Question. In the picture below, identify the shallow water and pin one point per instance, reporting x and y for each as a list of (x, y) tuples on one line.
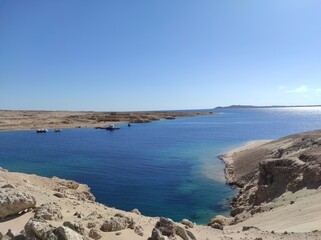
[(165, 168)]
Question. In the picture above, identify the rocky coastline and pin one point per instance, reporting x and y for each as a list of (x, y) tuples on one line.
[(267, 171)]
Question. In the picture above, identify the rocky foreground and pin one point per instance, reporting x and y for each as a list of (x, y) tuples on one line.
[(280, 198), (24, 120)]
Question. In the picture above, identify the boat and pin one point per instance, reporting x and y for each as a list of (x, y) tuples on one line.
[(42, 130), (111, 127), (129, 124), (57, 130)]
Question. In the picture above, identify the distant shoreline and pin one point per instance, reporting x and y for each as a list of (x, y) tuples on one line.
[(271, 106), (11, 120)]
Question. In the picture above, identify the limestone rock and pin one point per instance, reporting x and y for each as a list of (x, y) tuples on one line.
[(65, 233), (136, 211), (39, 229), (91, 225), (157, 235), (94, 234), (220, 219), (217, 226), (188, 223), (77, 227), (12, 202), (165, 227), (78, 215), (48, 211), (116, 224), (139, 230)]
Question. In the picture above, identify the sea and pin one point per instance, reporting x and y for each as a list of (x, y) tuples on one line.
[(164, 168)]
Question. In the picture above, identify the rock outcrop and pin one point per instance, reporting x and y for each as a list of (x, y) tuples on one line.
[(266, 172), (117, 223), (12, 202), (166, 229), (49, 211), (65, 233), (39, 229)]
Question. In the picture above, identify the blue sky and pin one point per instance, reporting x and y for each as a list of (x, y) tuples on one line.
[(153, 55)]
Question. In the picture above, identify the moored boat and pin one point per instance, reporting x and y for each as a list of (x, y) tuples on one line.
[(42, 130), (112, 127)]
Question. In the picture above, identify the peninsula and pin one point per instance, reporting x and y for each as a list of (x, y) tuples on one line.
[(270, 106)]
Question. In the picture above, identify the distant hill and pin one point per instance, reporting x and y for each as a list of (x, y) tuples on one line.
[(272, 106)]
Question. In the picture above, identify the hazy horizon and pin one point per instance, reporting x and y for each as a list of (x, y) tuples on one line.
[(158, 55)]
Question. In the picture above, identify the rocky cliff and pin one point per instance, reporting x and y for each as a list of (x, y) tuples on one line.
[(266, 172)]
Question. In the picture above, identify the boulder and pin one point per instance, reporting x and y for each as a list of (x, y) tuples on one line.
[(187, 223), (139, 230), (116, 224), (12, 202), (39, 229), (136, 211), (217, 226), (65, 233), (157, 235), (94, 234), (77, 227), (165, 227), (219, 219), (49, 211), (91, 225)]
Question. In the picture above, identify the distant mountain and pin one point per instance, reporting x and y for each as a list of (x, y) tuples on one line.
[(273, 106)]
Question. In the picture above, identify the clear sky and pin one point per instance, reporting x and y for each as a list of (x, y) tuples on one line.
[(158, 54)]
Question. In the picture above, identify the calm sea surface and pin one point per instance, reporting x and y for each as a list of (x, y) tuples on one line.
[(165, 168)]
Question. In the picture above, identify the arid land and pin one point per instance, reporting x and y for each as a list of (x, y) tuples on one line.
[(25, 120)]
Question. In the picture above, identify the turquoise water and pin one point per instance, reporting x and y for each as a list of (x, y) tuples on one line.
[(165, 168)]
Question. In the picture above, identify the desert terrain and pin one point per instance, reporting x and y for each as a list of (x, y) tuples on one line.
[(25, 120)]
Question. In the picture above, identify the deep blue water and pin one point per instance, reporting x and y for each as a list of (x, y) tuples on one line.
[(165, 168)]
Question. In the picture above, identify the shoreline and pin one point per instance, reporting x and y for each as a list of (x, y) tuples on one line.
[(15, 120), (278, 182), (228, 160)]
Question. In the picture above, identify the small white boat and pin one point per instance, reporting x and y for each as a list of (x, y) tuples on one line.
[(42, 130), (111, 127), (57, 130)]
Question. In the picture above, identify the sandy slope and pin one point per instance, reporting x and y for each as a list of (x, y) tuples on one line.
[(43, 188)]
